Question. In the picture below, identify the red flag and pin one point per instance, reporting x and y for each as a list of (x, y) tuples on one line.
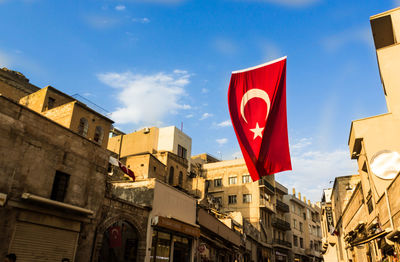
[(257, 105), (115, 236), (126, 170)]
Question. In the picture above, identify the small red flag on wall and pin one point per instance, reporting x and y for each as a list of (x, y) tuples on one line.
[(115, 236), (257, 106)]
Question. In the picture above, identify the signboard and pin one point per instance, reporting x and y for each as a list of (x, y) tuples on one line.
[(329, 219), (176, 226)]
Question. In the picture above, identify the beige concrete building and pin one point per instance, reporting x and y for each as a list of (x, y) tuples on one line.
[(261, 203), (367, 223), (305, 235)]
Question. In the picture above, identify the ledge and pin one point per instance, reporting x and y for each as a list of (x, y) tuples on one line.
[(54, 203)]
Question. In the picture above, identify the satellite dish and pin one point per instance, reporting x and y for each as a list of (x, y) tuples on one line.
[(385, 164)]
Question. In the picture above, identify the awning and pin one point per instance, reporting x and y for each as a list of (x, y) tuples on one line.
[(372, 237), (394, 236)]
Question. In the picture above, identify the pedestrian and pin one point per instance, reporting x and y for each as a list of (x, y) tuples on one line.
[(65, 259), (10, 258)]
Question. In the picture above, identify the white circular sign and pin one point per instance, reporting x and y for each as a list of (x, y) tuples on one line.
[(385, 164)]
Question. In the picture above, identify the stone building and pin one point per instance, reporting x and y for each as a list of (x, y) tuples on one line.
[(230, 184), (367, 226), (55, 199), (305, 235)]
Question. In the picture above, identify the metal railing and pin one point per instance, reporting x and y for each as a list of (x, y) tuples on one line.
[(282, 243), (280, 223), (282, 206), (263, 182)]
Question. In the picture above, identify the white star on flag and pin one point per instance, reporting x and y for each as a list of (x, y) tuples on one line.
[(257, 131)]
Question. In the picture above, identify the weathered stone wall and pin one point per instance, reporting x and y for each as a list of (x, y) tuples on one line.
[(32, 149), (61, 114), (15, 85)]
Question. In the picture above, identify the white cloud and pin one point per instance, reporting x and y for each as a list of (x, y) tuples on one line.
[(339, 40), (204, 90), (146, 99), (288, 3), (313, 168), (270, 50), (101, 21), (205, 116), (225, 46), (224, 123), (120, 7), (5, 60), (143, 20), (237, 154), (160, 1), (189, 116), (222, 141)]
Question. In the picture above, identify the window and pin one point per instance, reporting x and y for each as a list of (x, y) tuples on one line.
[(232, 199), (295, 241), (60, 185), (182, 151), (50, 103), (98, 134), (370, 206), (232, 180), (301, 226), (246, 198), (218, 200), (83, 127), (308, 213), (180, 179), (246, 179), (207, 186), (218, 182), (171, 176), (293, 208), (311, 245), (294, 223), (301, 243)]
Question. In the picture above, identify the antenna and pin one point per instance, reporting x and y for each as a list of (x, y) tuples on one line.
[(181, 126)]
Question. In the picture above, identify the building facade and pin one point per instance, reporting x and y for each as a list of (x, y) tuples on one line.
[(367, 223)]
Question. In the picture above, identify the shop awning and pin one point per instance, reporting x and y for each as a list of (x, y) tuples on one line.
[(372, 237), (394, 236)]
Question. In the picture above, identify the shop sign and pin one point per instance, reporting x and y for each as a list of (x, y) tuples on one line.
[(176, 226), (329, 218)]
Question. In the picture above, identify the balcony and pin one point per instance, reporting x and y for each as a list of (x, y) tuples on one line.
[(282, 243), (282, 206), (266, 204), (267, 185), (280, 224)]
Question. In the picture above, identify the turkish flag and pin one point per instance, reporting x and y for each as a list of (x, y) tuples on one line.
[(115, 236), (257, 105)]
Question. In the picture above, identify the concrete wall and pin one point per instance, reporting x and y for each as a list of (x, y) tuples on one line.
[(135, 143)]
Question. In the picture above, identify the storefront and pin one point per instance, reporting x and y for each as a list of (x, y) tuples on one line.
[(172, 240)]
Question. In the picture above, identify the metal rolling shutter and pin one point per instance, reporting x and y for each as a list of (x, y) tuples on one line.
[(36, 243)]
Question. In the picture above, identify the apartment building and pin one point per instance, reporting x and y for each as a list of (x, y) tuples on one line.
[(305, 235), (367, 224)]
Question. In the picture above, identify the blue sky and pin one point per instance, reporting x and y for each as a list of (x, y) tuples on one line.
[(167, 62)]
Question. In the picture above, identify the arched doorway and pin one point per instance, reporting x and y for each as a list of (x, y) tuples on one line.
[(120, 243)]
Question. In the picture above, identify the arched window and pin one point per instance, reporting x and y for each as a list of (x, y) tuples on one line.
[(180, 179), (83, 127), (98, 134), (171, 176)]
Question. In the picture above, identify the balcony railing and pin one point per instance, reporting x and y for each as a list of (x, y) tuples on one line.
[(282, 206), (263, 182), (282, 243), (280, 223), (266, 204)]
